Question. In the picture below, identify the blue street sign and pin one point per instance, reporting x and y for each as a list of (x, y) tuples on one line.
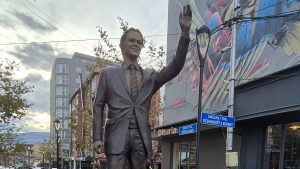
[(188, 129), (217, 120)]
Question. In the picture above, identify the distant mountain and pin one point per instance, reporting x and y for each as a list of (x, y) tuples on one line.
[(33, 137)]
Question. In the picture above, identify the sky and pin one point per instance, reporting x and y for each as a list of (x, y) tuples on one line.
[(24, 24)]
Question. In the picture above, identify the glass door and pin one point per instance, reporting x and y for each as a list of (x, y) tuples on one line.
[(184, 155)]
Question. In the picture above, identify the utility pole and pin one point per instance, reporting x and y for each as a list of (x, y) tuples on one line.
[(82, 154), (229, 138)]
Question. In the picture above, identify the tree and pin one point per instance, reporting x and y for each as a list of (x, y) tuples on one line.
[(81, 129), (13, 101), (9, 145), (48, 148)]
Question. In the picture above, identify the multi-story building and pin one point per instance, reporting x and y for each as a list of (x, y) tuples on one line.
[(266, 99), (65, 80)]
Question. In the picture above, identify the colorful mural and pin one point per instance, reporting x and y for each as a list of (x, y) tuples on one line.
[(263, 47)]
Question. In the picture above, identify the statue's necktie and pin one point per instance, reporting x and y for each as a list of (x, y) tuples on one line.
[(133, 82)]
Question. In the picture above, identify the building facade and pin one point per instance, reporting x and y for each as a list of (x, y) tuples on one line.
[(266, 107), (65, 80)]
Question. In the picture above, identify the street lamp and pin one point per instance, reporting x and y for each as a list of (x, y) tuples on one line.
[(29, 149), (43, 158), (203, 39), (57, 126)]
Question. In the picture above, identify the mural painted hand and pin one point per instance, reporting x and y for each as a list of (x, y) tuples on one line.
[(185, 20)]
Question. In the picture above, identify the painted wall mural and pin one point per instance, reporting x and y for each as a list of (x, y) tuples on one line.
[(263, 47)]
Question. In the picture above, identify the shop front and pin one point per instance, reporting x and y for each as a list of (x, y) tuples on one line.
[(179, 147), (268, 111), (266, 134)]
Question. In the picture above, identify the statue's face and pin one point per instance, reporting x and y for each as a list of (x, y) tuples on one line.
[(132, 45)]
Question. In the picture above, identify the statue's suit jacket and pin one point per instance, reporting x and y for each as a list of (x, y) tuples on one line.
[(113, 91)]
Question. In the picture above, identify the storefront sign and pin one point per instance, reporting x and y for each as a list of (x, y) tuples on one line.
[(188, 129), (167, 132), (217, 120)]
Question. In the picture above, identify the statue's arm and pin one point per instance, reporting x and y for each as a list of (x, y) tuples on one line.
[(98, 108), (175, 66)]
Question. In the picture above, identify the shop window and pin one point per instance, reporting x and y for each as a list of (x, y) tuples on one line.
[(272, 148), (184, 155), (282, 148), (292, 146)]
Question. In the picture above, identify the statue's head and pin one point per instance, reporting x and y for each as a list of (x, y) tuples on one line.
[(131, 43)]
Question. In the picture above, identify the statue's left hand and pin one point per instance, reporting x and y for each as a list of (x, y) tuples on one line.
[(185, 19)]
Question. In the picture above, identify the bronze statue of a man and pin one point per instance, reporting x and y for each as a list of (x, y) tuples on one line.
[(127, 89)]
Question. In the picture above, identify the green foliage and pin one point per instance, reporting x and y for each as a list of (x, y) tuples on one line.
[(9, 145), (7, 137), (48, 148), (81, 128), (13, 103)]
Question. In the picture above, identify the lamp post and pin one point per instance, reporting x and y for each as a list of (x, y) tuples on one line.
[(29, 148), (203, 39), (57, 126), (43, 159)]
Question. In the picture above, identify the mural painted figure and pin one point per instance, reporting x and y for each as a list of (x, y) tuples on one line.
[(127, 89)]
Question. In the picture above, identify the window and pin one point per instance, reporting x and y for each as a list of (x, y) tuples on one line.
[(62, 79), (78, 70), (272, 148), (61, 68), (61, 102), (66, 135), (58, 113), (62, 91), (184, 155), (282, 148), (66, 124), (62, 113), (292, 146)]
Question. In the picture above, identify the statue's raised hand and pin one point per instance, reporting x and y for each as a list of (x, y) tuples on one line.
[(185, 20)]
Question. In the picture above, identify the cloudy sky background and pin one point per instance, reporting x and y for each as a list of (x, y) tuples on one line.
[(26, 21)]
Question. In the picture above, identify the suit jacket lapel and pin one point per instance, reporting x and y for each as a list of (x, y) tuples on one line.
[(123, 79)]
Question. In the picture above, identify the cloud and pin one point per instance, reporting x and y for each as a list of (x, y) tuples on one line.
[(38, 117), (34, 121), (37, 56), (40, 95), (33, 24), (5, 22), (37, 121)]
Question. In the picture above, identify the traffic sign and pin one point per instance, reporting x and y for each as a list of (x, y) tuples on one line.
[(188, 129), (217, 120)]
